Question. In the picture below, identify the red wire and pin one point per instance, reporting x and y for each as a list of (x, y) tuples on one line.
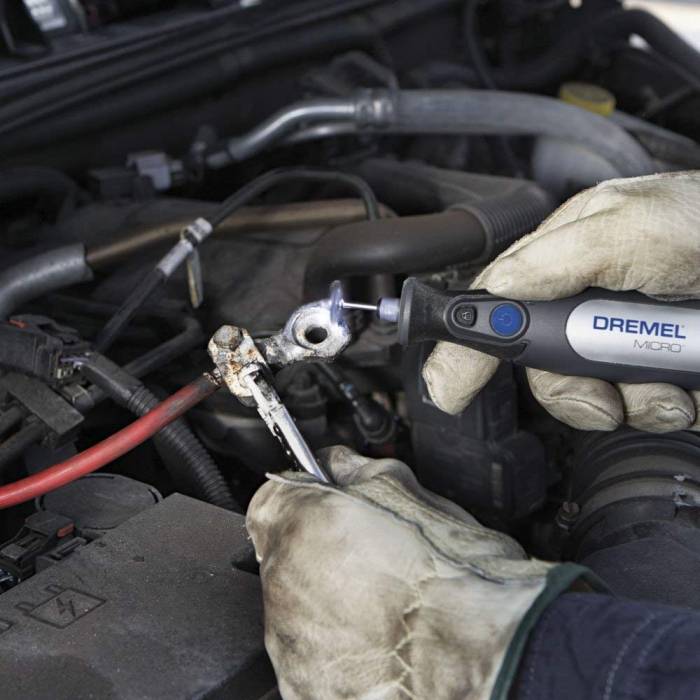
[(112, 447)]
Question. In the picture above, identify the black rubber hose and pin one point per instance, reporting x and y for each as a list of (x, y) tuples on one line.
[(659, 36), (29, 434), (563, 58), (395, 245), (52, 186), (41, 274), (481, 216), (189, 338), (188, 462), (507, 208), (129, 308)]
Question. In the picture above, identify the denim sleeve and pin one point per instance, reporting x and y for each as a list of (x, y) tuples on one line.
[(587, 646)]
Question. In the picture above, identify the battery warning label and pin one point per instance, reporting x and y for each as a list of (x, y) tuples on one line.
[(62, 609)]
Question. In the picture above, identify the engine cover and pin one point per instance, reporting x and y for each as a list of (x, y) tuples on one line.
[(153, 609)]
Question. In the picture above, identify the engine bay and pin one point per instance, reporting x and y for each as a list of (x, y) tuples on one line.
[(172, 168)]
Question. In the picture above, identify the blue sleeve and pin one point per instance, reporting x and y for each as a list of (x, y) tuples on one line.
[(589, 645)]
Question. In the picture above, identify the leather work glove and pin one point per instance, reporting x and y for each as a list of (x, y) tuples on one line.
[(375, 588), (636, 234)]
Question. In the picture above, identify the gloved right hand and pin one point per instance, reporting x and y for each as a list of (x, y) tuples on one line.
[(637, 234)]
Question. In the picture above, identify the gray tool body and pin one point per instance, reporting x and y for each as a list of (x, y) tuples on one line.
[(616, 336)]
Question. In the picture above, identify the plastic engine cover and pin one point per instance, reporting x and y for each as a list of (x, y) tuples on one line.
[(154, 609)]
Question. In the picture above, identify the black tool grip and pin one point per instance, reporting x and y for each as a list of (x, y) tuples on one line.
[(616, 336)]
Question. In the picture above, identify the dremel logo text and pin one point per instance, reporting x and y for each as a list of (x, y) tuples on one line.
[(634, 326)]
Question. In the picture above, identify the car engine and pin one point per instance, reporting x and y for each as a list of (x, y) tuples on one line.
[(358, 141)]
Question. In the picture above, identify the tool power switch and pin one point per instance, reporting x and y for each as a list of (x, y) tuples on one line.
[(507, 320)]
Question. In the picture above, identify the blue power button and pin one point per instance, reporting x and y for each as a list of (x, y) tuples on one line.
[(507, 319)]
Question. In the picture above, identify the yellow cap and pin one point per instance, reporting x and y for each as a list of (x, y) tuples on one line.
[(588, 96)]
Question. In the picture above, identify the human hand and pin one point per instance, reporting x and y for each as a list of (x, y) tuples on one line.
[(636, 234), (376, 588)]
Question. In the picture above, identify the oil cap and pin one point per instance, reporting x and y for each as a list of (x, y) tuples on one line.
[(588, 96)]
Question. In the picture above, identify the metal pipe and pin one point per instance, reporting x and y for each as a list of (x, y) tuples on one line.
[(280, 217), (361, 108), (281, 124)]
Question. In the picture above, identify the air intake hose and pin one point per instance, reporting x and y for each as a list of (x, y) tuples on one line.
[(478, 217)]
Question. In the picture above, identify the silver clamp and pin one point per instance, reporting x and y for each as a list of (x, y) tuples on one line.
[(186, 249)]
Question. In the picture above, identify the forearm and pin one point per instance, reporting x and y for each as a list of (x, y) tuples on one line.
[(595, 646)]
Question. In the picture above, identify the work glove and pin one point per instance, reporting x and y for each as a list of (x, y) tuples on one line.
[(375, 588), (636, 234)]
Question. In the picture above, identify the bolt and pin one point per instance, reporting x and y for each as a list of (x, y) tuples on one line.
[(228, 337)]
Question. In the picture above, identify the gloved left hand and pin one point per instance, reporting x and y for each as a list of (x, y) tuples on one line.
[(376, 588)]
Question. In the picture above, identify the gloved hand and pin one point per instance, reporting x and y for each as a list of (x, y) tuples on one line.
[(637, 234), (376, 588)]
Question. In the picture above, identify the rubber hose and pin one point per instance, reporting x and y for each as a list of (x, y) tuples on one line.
[(40, 275), (507, 207), (397, 246), (493, 112), (195, 74), (662, 144), (187, 459), (53, 185), (659, 36), (482, 215), (129, 308)]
